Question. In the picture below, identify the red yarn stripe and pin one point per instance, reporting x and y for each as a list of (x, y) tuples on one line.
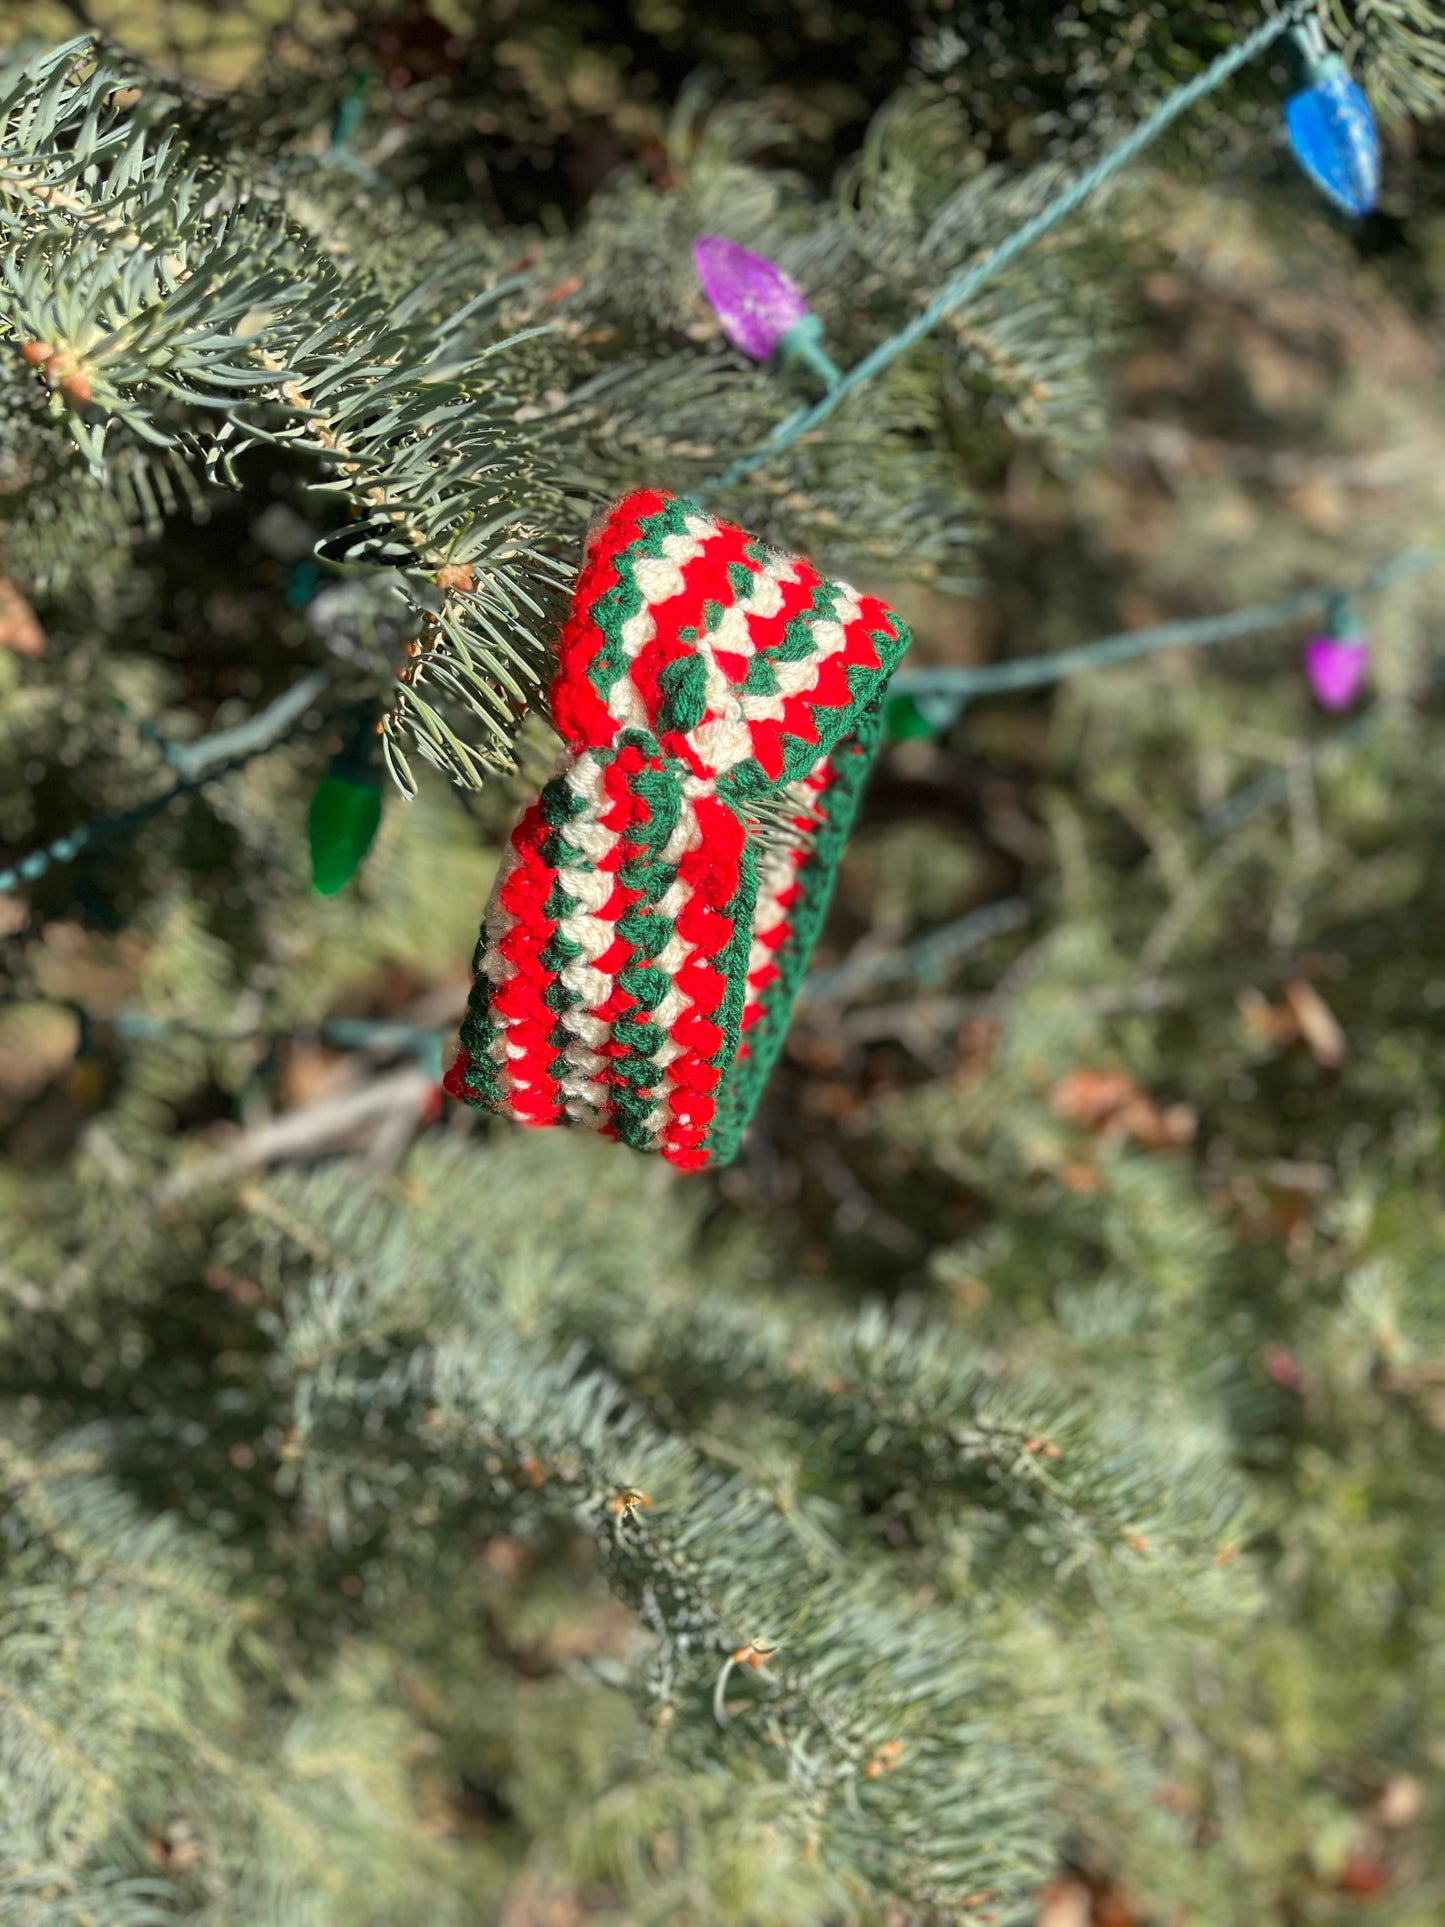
[(767, 632), (705, 579), (578, 712), (455, 1081), (710, 876), (520, 1000)]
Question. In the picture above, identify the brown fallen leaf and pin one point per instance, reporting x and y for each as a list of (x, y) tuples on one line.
[(1267, 1023), (20, 628), (1282, 1202), (1114, 1909), (1302, 1018), (1079, 1900), (1113, 1106), (37, 1042), (1066, 1902), (1400, 1801), (1091, 1098), (1319, 1028)]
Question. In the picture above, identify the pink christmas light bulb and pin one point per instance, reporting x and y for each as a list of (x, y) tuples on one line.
[(1335, 668), (762, 310)]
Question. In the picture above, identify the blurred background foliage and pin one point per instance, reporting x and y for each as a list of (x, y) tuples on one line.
[(1058, 1382)]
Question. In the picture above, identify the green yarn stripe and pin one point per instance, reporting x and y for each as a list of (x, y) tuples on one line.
[(742, 1086), (616, 606), (479, 1033), (649, 932)]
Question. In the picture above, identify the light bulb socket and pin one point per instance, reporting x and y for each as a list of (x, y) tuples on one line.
[(357, 758), (940, 708), (1311, 58), (350, 768), (923, 712), (1342, 619), (802, 346)]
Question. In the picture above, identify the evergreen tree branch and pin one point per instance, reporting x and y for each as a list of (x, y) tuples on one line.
[(180, 287)]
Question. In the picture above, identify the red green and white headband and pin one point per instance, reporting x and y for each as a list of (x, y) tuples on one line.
[(646, 936)]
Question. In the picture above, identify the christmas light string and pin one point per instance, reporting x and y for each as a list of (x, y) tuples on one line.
[(923, 961), (261, 731), (255, 738), (1032, 672), (207, 761), (964, 286), (221, 755)]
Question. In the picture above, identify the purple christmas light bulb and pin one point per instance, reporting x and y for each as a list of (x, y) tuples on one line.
[(1335, 667), (755, 301), (762, 310)]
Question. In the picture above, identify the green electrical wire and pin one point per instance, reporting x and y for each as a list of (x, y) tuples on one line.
[(1030, 672), (267, 730), (967, 284)]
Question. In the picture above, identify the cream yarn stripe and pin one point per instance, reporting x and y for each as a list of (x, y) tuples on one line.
[(724, 740), (499, 970), (796, 679), (584, 1098)]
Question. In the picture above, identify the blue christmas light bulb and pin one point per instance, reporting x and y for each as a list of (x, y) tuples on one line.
[(1332, 126)]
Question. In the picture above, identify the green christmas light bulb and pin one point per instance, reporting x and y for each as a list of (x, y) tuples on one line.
[(345, 813), (921, 713)]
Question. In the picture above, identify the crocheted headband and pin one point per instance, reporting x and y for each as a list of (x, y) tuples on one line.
[(643, 944)]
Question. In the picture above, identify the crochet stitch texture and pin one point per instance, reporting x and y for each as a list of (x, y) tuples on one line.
[(641, 950)]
